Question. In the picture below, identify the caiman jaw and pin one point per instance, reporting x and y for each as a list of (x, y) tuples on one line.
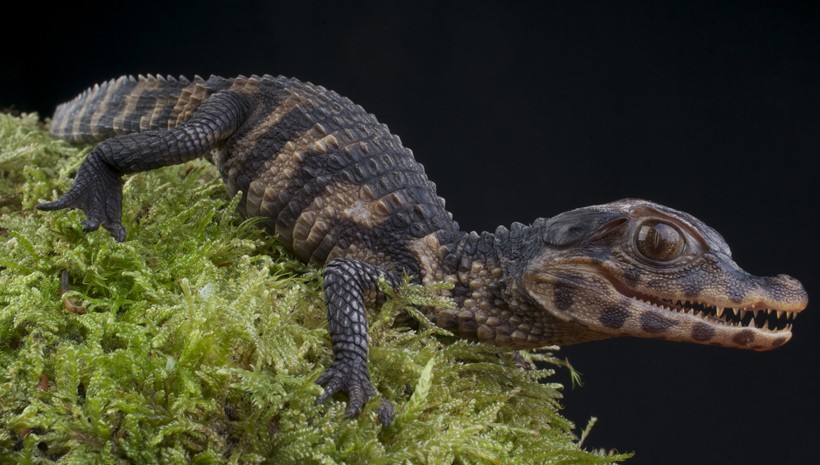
[(755, 316), (758, 324), (745, 317)]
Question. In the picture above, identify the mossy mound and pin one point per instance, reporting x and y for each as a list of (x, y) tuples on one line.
[(199, 338)]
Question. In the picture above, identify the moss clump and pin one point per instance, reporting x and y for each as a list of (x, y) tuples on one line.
[(198, 341)]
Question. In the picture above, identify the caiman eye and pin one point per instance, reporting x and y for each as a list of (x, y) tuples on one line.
[(660, 242)]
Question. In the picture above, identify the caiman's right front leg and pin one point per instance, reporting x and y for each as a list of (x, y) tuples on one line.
[(346, 284), (97, 188)]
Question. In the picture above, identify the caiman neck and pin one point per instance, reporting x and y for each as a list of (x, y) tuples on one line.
[(491, 304)]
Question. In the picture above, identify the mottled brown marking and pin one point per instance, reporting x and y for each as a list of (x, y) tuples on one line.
[(744, 338), (144, 123), (102, 108), (702, 332), (130, 104), (651, 322), (264, 127), (613, 317), (340, 201), (154, 119), (562, 296), (189, 100), (277, 173), (779, 341), (244, 85), (427, 252), (122, 106)]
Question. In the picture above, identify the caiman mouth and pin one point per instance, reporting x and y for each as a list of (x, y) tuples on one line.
[(754, 316), (750, 316)]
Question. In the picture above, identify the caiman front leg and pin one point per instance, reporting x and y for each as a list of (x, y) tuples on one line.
[(97, 188), (347, 284)]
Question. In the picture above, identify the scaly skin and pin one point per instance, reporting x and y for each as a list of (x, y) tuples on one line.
[(342, 192)]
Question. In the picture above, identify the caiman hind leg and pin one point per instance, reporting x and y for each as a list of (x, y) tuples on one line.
[(97, 188), (347, 283)]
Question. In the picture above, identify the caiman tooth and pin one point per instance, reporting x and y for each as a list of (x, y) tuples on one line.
[(719, 311), (735, 311), (779, 314)]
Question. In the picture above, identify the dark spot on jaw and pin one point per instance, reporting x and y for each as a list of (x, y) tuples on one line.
[(651, 322), (744, 338), (562, 296), (613, 317), (702, 332), (779, 342)]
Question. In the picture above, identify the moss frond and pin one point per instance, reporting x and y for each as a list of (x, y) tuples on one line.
[(199, 338)]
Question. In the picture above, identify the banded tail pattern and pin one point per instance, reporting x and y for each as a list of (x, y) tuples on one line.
[(325, 173), (129, 105)]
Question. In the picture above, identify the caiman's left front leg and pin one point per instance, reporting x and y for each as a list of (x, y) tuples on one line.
[(347, 284)]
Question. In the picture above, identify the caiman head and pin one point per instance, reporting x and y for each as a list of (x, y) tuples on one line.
[(637, 268)]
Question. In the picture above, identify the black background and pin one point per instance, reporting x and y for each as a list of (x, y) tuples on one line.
[(520, 111)]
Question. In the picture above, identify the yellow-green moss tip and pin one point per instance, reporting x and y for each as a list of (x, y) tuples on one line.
[(198, 341)]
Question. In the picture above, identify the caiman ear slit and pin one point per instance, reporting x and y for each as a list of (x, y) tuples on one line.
[(569, 228), (613, 225)]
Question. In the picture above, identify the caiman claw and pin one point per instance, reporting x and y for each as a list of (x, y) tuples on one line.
[(346, 377), (97, 191)]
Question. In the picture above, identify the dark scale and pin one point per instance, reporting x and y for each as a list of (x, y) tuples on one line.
[(342, 192)]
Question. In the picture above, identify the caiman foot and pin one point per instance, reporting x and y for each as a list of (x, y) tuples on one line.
[(353, 378), (97, 191)]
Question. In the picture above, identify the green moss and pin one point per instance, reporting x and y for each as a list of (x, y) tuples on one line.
[(199, 338)]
